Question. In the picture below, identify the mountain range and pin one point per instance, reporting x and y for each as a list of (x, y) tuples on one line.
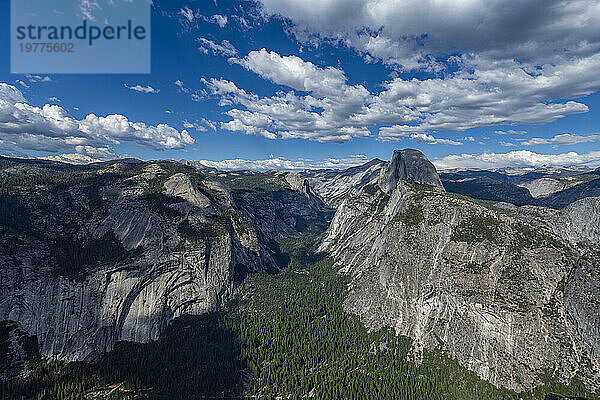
[(497, 271)]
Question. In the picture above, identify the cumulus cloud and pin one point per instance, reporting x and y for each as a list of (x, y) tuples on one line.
[(324, 114), (142, 89), (322, 106), (518, 158), (414, 33), (224, 49), (413, 132), (280, 163), (296, 73), (525, 64), (84, 155), (51, 129)]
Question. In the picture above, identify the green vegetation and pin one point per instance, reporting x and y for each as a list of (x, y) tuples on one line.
[(160, 204), (475, 268), (371, 189), (10, 337), (529, 237), (256, 181), (412, 216), (285, 335), (199, 231), (74, 258), (478, 228)]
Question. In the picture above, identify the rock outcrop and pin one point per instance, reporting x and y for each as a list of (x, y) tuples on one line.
[(333, 185), (474, 281), (183, 248), (582, 302), (277, 203), (408, 165), (579, 222)]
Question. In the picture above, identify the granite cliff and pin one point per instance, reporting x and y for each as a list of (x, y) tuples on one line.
[(92, 256), (505, 297)]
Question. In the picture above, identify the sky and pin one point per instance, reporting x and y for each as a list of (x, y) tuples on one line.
[(294, 84)]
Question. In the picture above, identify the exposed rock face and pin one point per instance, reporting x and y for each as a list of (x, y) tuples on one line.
[(547, 186), (582, 302), (543, 186), (333, 186), (186, 250), (135, 302), (179, 185), (579, 222), (474, 281), (572, 194), (409, 165), (485, 188), (277, 203)]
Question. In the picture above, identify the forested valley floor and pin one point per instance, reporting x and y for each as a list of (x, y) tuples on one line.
[(286, 336)]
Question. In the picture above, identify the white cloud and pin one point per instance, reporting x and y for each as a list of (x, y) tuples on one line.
[(518, 158), (327, 113), (525, 63), (224, 49), (142, 89), (51, 129), (397, 132), (323, 107), (115, 128), (280, 163), (410, 33), (220, 20), (187, 13), (200, 125), (84, 155), (87, 7), (54, 99), (563, 139), (196, 95), (296, 73)]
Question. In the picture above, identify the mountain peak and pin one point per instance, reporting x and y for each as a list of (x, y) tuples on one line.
[(410, 165)]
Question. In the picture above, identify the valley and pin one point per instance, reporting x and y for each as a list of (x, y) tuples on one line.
[(173, 280)]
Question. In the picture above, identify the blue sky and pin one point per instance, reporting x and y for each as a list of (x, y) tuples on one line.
[(328, 83)]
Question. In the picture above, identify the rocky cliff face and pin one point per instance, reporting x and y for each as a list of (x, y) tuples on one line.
[(93, 255), (333, 186), (277, 203), (501, 296), (582, 302), (579, 222), (116, 252), (408, 165), (547, 186)]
